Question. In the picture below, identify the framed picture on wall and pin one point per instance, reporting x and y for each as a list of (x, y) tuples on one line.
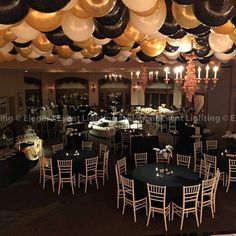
[(20, 101), (3, 106)]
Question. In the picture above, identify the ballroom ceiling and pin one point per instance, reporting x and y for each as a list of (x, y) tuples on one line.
[(73, 34)]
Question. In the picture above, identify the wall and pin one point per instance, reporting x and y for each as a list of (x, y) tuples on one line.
[(11, 84)]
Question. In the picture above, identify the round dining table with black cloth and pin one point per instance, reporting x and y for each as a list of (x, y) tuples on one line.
[(174, 179), (78, 160)]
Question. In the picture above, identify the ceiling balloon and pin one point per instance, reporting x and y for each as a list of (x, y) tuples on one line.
[(44, 22), (153, 47), (70, 5), (179, 35), (123, 41), (225, 57), (170, 48), (200, 29), (170, 26), (25, 31), (111, 49), (97, 8), (184, 2), (140, 5), (143, 57), (114, 31), (101, 41), (213, 13), (184, 15), (42, 43), (219, 42), (152, 23), (74, 47), (64, 51), (77, 29), (113, 16), (134, 34), (22, 45), (226, 28), (13, 11), (99, 57), (202, 41), (9, 35), (202, 52), (47, 6), (58, 37), (79, 12)]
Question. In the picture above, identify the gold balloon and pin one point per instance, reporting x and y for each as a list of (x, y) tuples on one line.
[(94, 48), (134, 34), (50, 58), (24, 52), (97, 8), (9, 35), (44, 21), (85, 43), (85, 52), (153, 47), (64, 51), (6, 57), (233, 36), (226, 28), (151, 10), (184, 15), (79, 12), (3, 42), (123, 41), (42, 43)]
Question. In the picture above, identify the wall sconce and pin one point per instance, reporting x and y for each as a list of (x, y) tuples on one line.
[(51, 88), (93, 88)]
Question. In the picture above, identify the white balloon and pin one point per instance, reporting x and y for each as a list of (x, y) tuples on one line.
[(7, 48), (3, 27), (20, 58), (43, 53), (121, 58), (77, 29), (126, 53), (185, 46), (25, 31), (156, 35), (220, 42), (77, 56), (20, 40), (139, 5), (70, 5), (85, 60), (66, 62), (111, 59), (225, 57), (33, 55), (101, 41), (210, 53), (172, 55), (149, 24)]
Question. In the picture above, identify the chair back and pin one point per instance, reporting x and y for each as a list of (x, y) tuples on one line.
[(172, 124), (212, 160), (208, 188), (125, 138), (87, 145), (118, 180), (65, 168), (140, 159), (183, 160), (162, 158), (156, 195), (121, 166), (211, 145), (91, 165), (47, 166), (57, 147), (102, 149), (232, 167), (128, 187), (205, 169), (106, 159), (190, 196), (197, 149)]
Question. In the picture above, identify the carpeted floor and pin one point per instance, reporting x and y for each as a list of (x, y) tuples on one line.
[(28, 210)]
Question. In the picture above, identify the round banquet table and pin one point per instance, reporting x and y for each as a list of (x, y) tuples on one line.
[(78, 160), (175, 178)]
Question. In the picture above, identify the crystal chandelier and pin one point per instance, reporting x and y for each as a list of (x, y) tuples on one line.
[(192, 82)]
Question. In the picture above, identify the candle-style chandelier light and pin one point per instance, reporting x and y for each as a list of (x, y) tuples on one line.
[(191, 82), (113, 77)]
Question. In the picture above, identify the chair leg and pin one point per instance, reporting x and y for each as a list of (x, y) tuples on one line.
[(212, 210), (172, 212), (228, 184), (165, 221), (118, 199), (44, 180), (59, 188), (196, 216), (148, 219), (79, 181), (182, 221), (201, 210), (134, 211), (53, 187), (123, 210), (86, 183), (97, 182), (72, 187)]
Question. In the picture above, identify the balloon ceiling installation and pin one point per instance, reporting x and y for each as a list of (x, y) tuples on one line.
[(163, 31)]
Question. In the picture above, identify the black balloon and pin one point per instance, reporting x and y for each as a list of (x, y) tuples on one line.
[(111, 49), (184, 2), (202, 41), (233, 20), (170, 48), (98, 35), (40, 58), (54, 52), (22, 45), (99, 57), (202, 52), (179, 35), (231, 49), (13, 11), (143, 57), (13, 51), (181, 59), (113, 31), (113, 16), (200, 29), (47, 6), (213, 13), (74, 47), (127, 60), (205, 60), (136, 45), (170, 26), (58, 37)]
